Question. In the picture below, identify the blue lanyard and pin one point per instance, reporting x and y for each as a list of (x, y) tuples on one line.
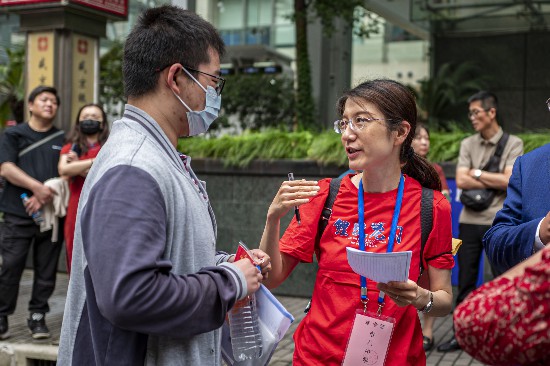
[(391, 239)]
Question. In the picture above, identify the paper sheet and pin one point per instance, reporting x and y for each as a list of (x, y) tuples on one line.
[(380, 267)]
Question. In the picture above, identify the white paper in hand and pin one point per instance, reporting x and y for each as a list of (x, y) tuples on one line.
[(380, 267)]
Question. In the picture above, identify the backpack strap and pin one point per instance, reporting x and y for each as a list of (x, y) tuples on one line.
[(333, 189), (426, 221)]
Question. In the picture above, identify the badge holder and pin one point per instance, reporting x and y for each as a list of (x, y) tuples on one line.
[(370, 338)]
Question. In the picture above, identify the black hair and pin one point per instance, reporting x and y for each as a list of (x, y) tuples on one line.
[(161, 37), (421, 126), (79, 138), (397, 104), (43, 89), (488, 99)]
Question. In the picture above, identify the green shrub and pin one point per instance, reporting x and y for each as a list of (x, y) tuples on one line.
[(240, 150), (323, 148)]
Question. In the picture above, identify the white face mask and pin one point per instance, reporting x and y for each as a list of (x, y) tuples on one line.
[(200, 121)]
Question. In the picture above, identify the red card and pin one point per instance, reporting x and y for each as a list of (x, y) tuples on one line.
[(243, 252)]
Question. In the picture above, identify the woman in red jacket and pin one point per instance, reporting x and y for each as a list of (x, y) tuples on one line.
[(77, 157), (354, 320)]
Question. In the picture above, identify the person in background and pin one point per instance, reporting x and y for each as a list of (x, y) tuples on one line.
[(507, 321), (89, 133), (377, 124), (475, 152), (421, 146), (29, 153), (147, 285)]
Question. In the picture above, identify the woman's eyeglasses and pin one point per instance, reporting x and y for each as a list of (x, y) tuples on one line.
[(356, 124)]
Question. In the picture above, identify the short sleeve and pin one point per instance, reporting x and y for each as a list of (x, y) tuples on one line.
[(516, 149), (464, 159), (299, 240), (437, 252), (8, 147), (66, 149)]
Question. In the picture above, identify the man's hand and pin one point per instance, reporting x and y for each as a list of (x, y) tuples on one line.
[(32, 205), (251, 273), (43, 194), (544, 232)]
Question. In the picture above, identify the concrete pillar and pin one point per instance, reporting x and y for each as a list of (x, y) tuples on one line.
[(330, 60), (63, 51)]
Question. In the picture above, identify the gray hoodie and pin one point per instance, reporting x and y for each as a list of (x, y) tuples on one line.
[(147, 286)]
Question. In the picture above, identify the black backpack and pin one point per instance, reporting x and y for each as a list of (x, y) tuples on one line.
[(426, 219)]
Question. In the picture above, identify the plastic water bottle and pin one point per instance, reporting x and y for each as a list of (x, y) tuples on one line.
[(36, 216), (246, 339)]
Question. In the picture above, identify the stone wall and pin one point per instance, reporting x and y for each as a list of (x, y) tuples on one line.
[(241, 197)]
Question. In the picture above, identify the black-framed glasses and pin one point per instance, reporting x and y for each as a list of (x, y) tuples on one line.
[(356, 124), (220, 82), (475, 112)]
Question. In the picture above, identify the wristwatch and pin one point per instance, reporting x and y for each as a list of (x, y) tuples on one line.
[(477, 173), (429, 305)]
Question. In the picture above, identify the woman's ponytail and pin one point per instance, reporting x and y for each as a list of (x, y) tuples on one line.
[(421, 169)]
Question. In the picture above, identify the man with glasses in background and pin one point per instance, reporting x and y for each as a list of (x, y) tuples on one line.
[(147, 286), (475, 153)]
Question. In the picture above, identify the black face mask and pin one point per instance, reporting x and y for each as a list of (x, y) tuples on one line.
[(90, 126)]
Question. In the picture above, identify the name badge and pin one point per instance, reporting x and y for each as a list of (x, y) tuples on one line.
[(369, 339)]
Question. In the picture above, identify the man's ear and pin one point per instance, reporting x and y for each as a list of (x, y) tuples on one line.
[(493, 113), (171, 77)]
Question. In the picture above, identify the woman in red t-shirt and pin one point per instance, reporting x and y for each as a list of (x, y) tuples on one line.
[(421, 146), (377, 124), (77, 156)]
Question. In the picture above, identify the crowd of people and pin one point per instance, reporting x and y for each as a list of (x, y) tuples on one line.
[(147, 285)]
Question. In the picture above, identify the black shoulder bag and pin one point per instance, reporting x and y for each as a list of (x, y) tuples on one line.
[(481, 199)]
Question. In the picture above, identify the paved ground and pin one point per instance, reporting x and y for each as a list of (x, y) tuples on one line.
[(282, 356)]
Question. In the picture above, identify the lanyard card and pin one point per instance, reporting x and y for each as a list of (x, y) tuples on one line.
[(369, 339)]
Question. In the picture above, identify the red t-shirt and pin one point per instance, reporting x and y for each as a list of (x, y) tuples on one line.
[(322, 336), (75, 188)]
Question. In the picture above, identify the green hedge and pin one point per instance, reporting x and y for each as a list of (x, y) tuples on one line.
[(324, 148)]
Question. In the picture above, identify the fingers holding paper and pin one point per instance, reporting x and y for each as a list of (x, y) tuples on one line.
[(291, 194), (263, 260), (402, 293)]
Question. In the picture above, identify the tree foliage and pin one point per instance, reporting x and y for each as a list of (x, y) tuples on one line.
[(442, 94), (258, 101), (111, 87), (12, 86)]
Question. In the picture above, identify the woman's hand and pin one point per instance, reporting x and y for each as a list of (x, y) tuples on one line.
[(71, 156), (290, 194), (405, 293), (263, 260)]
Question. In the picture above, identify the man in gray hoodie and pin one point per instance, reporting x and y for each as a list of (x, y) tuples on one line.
[(147, 286)]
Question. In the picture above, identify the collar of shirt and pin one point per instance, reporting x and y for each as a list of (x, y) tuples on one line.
[(493, 140)]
